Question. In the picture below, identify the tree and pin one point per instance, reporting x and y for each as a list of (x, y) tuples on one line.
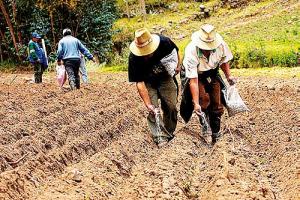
[(9, 24), (143, 8)]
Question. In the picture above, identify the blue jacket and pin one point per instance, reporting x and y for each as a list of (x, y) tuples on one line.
[(36, 53), (70, 47)]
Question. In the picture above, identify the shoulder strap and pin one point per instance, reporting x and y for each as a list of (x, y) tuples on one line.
[(199, 52)]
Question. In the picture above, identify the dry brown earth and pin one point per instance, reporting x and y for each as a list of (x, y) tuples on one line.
[(100, 133)]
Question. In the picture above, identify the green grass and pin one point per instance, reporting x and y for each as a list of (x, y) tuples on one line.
[(119, 68), (263, 34)]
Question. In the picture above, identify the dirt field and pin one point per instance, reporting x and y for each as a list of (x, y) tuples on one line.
[(94, 144)]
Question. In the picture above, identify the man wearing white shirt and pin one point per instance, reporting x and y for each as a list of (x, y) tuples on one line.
[(204, 55)]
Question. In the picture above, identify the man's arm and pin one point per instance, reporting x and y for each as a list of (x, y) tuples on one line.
[(85, 51), (226, 69), (59, 54), (141, 87), (178, 68), (194, 87)]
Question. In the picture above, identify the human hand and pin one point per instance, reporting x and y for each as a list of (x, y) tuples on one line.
[(232, 80), (197, 109), (177, 70), (152, 109)]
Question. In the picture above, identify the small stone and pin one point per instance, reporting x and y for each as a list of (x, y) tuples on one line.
[(219, 183), (77, 175), (232, 161)]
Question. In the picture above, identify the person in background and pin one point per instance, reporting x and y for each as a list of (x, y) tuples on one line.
[(153, 64), (69, 49), (204, 55), (37, 57)]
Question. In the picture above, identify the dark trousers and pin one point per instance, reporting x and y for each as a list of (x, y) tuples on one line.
[(72, 68), (167, 92), (210, 101), (38, 72)]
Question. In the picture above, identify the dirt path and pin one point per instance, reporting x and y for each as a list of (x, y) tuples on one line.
[(99, 133)]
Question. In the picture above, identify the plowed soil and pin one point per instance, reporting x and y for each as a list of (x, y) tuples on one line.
[(94, 144)]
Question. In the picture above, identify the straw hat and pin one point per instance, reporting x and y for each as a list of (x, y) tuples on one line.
[(144, 42), (207, 38)]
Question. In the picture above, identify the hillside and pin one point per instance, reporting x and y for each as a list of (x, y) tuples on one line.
[(94, 143), (260, 34)]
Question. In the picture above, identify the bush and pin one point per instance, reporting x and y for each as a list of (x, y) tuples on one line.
[(261, 57)]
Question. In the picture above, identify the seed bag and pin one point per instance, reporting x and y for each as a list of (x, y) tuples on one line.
[(234, 102), (61, 75), (170, 62)]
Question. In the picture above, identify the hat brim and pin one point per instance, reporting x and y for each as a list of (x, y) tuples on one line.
[(206, 45), (146, 50)]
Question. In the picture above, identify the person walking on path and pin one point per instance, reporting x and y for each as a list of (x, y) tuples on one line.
[(202, 84), (37, 57), (153, 64), (69, 49)]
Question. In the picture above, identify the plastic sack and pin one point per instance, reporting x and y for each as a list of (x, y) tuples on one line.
[(61, 75), (204, 123), (170, 62), (234, 102)]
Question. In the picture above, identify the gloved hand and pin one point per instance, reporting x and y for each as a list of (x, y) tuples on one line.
[(232, 80)]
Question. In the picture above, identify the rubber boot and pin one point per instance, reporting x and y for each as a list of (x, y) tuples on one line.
[(215, 123)]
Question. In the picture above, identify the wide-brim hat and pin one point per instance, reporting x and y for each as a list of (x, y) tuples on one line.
[(144, 42), (207, 38)]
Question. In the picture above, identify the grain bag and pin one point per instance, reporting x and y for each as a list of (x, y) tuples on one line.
[(234, 102)]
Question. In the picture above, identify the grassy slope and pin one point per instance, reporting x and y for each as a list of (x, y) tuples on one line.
[(270, 29)]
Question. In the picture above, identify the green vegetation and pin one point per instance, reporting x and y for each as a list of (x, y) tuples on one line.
[(264, 34), (90, 21)]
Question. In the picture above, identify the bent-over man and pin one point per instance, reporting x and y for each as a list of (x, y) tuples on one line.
[(204, 55), (153, 64)]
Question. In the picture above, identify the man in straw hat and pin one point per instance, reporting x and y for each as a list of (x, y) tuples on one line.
[(153, 64), (204, 55)]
